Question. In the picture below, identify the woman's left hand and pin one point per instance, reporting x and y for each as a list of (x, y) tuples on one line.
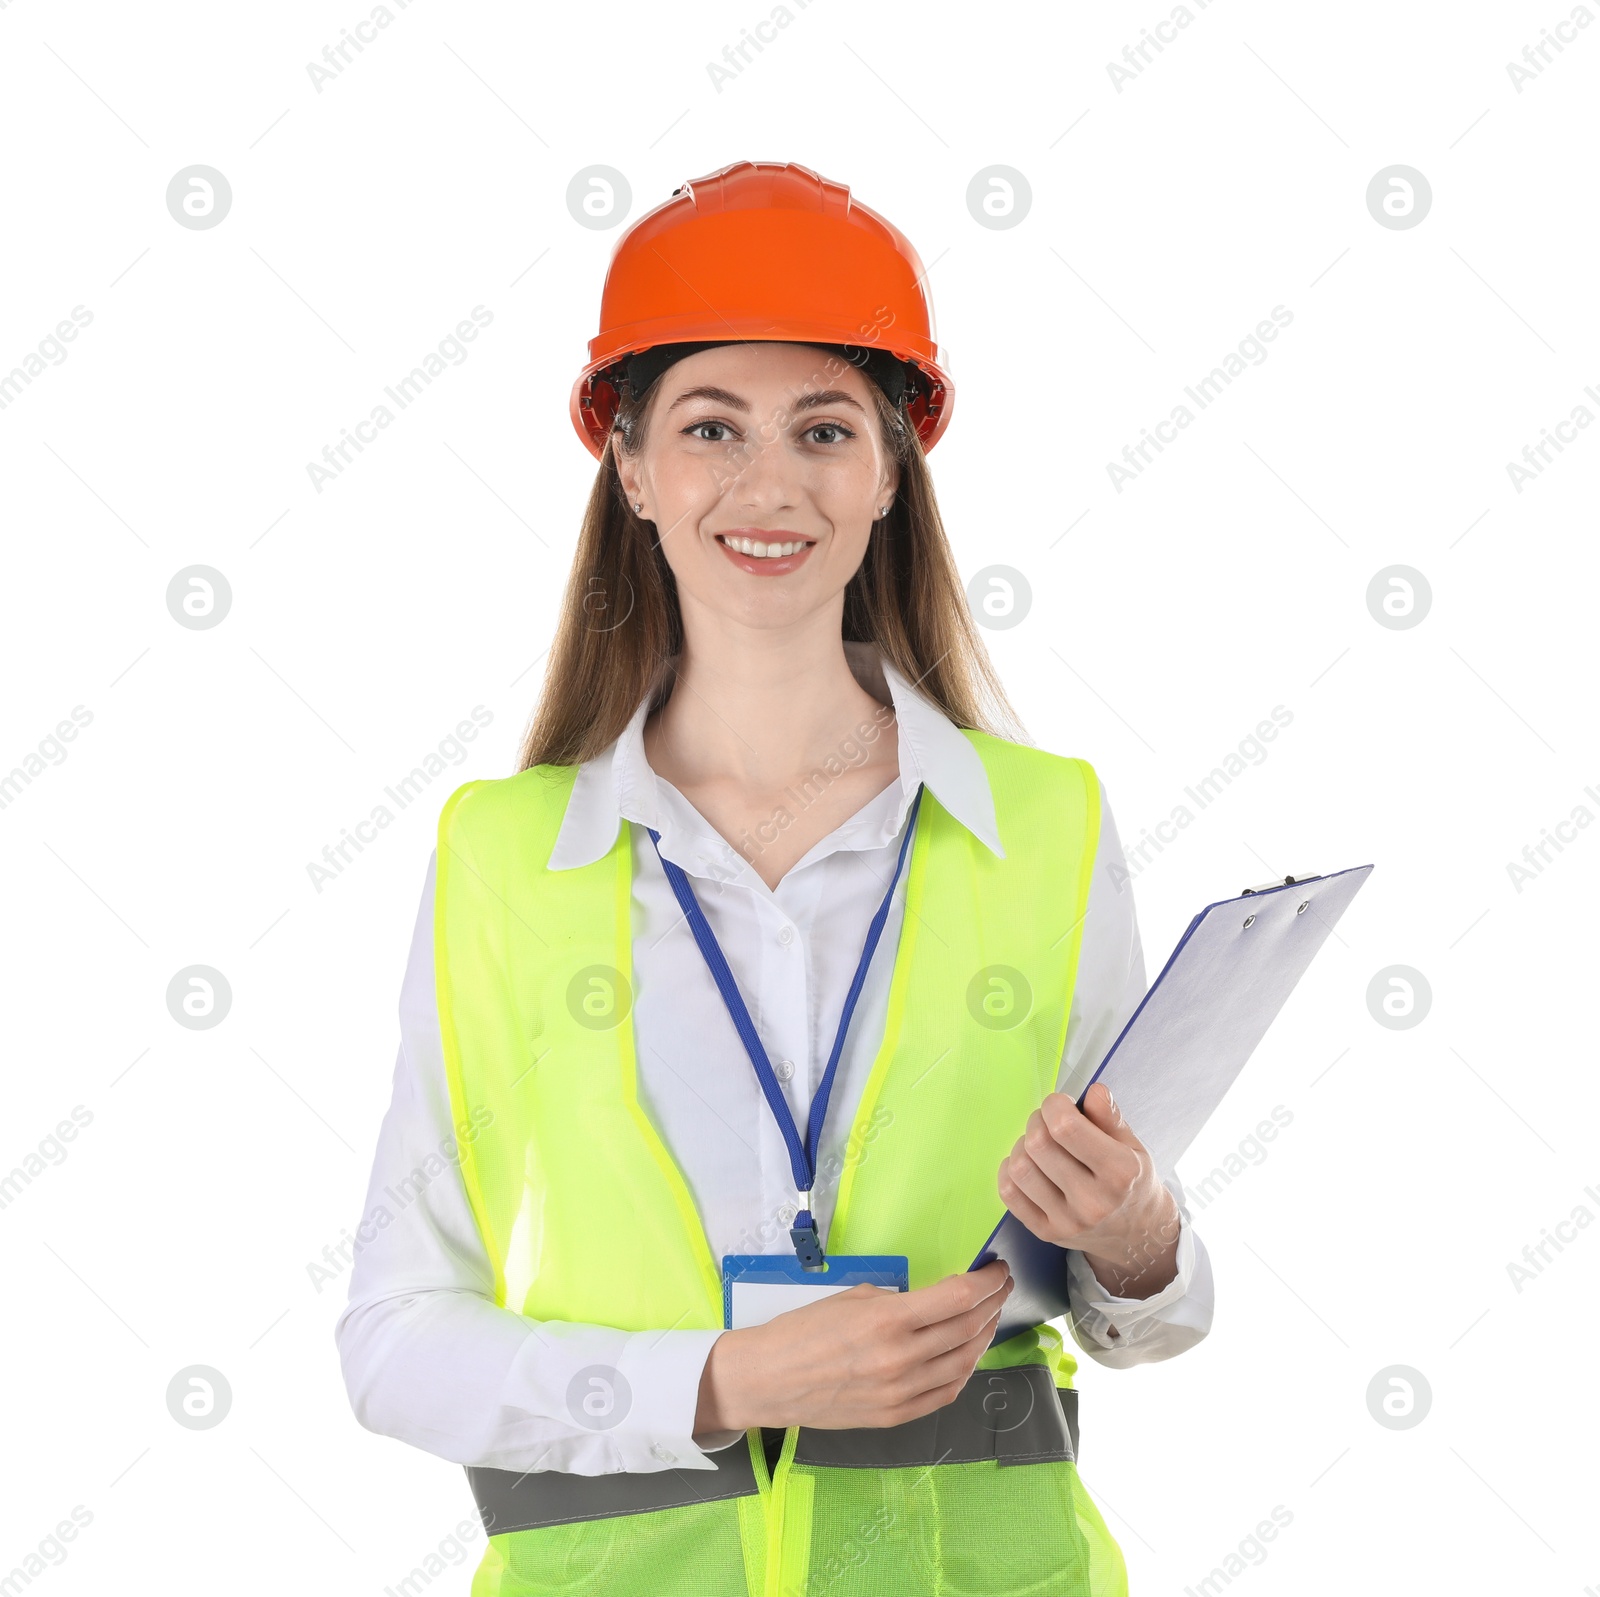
[(1082, 1180)]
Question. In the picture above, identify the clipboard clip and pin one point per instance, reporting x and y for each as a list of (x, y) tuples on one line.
[(1267, 887)]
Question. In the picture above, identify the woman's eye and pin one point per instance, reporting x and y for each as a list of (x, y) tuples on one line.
[(838, 432), (719, 428)]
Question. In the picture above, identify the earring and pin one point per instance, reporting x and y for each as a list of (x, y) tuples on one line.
[(638, 505), (884, 511)]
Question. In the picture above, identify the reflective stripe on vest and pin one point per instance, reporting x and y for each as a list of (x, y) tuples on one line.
[(1013, 1416), (586, 1216)]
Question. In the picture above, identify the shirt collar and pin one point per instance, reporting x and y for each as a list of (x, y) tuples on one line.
[(618, 783)]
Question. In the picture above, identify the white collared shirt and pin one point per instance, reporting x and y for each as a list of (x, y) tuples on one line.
[(427, 1354)]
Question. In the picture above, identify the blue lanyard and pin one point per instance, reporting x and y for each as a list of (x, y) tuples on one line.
[(802, 1155)]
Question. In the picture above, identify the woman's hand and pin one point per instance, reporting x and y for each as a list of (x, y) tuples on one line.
[(1081, 1179), (865, 1356)]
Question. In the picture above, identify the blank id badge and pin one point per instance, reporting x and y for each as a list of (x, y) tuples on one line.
[(756, 1287)]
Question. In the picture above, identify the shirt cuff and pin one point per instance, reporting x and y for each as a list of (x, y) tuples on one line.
[(1103, 1315)]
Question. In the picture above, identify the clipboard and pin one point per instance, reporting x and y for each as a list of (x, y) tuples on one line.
[(1184, 1046)]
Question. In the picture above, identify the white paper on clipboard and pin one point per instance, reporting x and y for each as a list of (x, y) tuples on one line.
[(1219, 991)]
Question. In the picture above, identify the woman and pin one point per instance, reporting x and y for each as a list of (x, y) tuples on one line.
[(809, 1002)]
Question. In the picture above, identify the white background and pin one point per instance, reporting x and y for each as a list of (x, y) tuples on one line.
[(1168, 218)]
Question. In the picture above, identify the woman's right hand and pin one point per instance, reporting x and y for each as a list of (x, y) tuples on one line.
[(868, 1356)]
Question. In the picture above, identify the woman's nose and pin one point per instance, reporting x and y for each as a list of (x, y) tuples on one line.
[(767, 476)]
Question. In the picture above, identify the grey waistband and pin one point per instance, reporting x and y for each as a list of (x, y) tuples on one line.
[(1013, 1416)]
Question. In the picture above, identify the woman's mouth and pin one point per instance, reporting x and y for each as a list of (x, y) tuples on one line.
[(766, 555)]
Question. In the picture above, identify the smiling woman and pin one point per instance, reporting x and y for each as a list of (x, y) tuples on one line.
[(776, 939), (749, 441), (769, 461), (712, 460)]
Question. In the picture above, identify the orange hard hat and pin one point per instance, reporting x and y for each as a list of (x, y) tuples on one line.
[(759, 251)]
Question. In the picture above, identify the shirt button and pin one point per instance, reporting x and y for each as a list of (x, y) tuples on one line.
[(784, 1069), (787, 1213), (658, 1451), (786, 936)]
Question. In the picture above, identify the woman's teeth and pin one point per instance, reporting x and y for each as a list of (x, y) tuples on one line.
[(764, 551)]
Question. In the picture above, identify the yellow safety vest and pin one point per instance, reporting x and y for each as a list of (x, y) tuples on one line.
[(587, 1217)]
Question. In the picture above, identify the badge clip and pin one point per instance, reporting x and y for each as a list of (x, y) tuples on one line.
[(807, 1244)]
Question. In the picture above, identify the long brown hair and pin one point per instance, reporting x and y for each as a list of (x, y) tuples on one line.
[(620, 627)]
